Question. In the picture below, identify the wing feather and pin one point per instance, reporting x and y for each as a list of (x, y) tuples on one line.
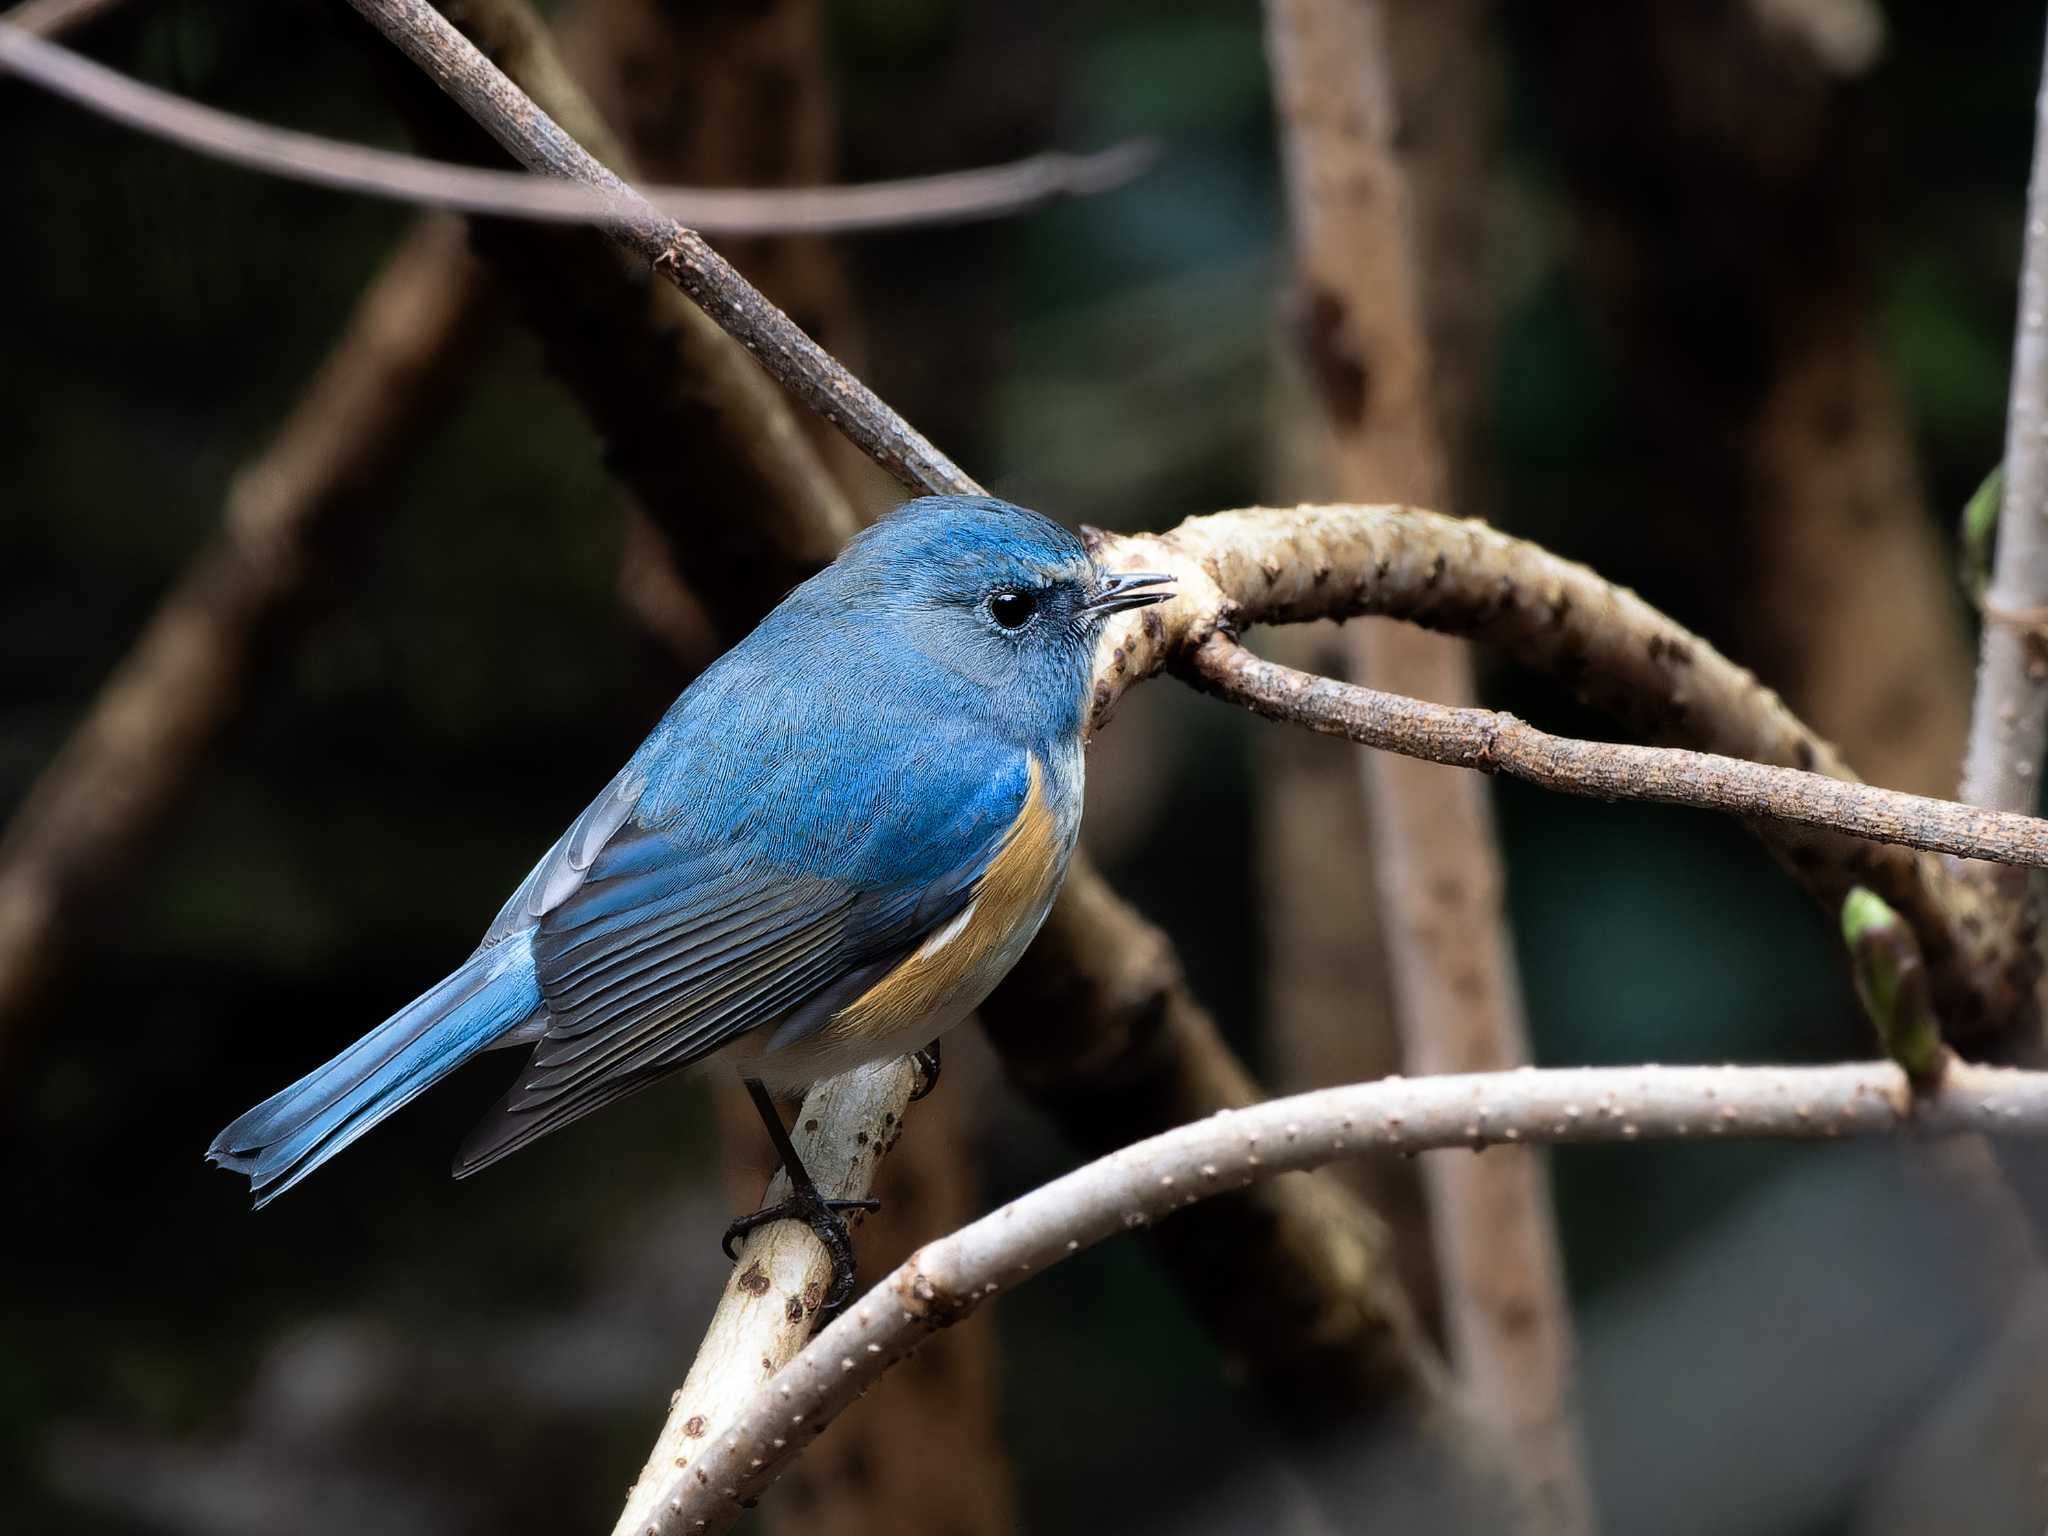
[(654, 949)]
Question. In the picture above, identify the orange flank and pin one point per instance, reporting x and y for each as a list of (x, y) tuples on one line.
[(977, 946)]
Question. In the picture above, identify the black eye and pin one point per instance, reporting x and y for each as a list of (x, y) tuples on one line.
[(1012, 610)]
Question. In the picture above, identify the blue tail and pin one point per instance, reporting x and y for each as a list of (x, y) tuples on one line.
[(291, 1133)]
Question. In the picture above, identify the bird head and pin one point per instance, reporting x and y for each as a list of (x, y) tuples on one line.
[(1001, 598)]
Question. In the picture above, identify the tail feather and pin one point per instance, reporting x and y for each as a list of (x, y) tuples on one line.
[(293, 1132)]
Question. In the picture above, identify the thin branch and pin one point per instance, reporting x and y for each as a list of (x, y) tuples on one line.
[(950, 198), (2009, 709), (947, 1279), (1494, 742), (2009, 720), (1616, 651), (681, 255)]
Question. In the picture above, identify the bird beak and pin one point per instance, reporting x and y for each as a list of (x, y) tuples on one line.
[(1116, 591)]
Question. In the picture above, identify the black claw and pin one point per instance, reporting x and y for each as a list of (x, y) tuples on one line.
[(927, 1063), (806, 1205), (824, 1219)]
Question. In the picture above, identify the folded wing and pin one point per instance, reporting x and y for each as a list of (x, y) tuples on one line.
[(653, 955)]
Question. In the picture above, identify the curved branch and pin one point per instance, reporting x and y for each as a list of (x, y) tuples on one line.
[(1269, 565), (953, 197), (1493, 742), (946, 1280)]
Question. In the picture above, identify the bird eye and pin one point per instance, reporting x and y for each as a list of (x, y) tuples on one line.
[(1012, 610)]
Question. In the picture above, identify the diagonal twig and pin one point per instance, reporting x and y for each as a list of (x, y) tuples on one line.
[(1495, 742)]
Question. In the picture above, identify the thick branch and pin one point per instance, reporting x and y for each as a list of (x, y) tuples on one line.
[(1614, 649), (681, 255), (770, 1305), (946, 1280), (1493, 742)]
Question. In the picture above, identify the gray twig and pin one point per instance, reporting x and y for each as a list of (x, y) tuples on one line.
[(949, 198), (1493, 742), (2009, 720)]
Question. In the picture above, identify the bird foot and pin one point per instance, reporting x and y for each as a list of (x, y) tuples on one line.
[(824, 1218), (927, 1063)]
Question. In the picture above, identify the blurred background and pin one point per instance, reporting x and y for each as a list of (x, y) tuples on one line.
[(1745, 278)]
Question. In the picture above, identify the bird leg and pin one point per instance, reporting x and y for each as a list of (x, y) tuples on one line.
[(804, 1204), (927, 1063)]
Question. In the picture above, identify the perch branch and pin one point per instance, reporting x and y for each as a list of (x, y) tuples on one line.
[(770, 1305), (1493, 742), (1145, 1182), (950, 198), (1620, 654), (678, 254)]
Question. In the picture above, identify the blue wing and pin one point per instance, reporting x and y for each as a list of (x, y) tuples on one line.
[(677, 935)]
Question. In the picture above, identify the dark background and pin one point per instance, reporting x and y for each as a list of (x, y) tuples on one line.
[(386, 1350)]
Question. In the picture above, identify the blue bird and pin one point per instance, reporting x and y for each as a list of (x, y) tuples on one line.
[(829, 851)]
